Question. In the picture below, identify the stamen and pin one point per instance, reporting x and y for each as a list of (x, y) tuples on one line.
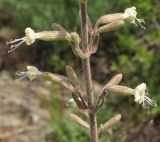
[(22, 77), (150, 101), (16, 40), (14, 47), (21, 74), (139, 21)]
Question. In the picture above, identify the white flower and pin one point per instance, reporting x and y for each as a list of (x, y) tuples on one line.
[(30, 37), (130, 14), (32, 73), (140, 95)]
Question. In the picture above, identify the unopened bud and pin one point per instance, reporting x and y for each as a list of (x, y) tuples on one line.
[(111, 26), (78, 120), (72, 75), (110, 18), (110, 123), (123, 90), (115, 79), (75, 39)]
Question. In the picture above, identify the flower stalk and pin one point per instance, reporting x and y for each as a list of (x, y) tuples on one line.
[(87, 73)]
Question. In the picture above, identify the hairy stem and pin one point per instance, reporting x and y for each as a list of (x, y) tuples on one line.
[(87, 73)]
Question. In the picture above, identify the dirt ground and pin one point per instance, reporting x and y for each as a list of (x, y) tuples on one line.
[(22, 117)]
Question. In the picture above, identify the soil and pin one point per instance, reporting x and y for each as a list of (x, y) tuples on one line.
[(22, 115)]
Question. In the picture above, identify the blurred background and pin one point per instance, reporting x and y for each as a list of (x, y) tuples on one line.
[(37, 111)]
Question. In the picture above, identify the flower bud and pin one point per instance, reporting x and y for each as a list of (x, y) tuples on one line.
[(78, 120), (72, 75), (75, 39), (110, 123), (111, 26), (115, 79), (110, 18), (123, 90)]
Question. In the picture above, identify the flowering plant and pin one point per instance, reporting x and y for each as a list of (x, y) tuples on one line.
[(91, 103)]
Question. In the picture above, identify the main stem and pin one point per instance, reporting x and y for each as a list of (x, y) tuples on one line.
[(87, 73)]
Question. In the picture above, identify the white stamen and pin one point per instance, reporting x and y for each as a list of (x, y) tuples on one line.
[(139, 21), (16, 40), (150, 101), (13, 47), (22, 77), (21, 74)]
